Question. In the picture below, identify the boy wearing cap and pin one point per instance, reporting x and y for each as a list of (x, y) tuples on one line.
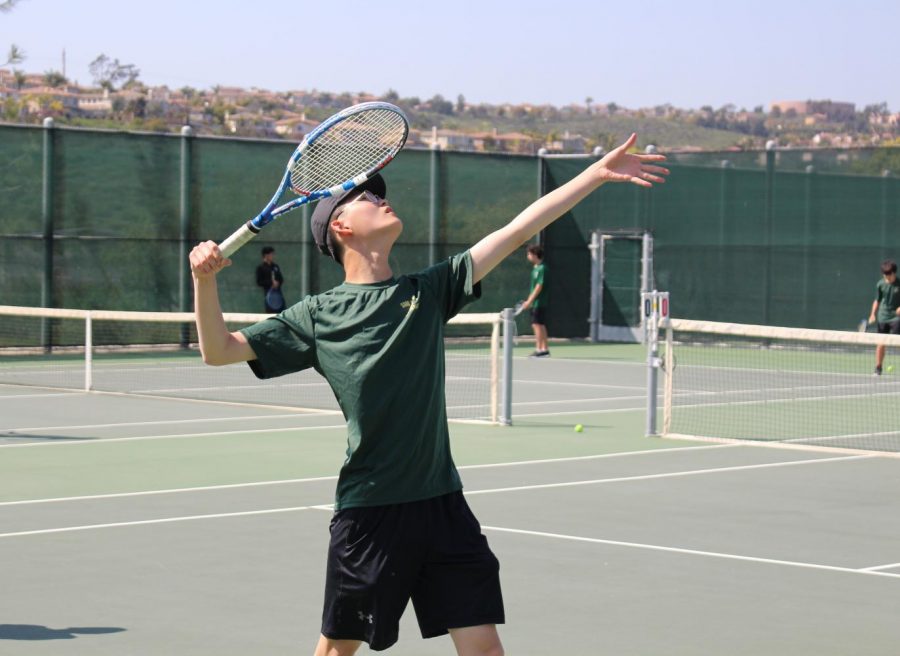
[(401, 528)]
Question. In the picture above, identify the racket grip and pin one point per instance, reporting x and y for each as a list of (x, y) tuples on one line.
[(238, 238)]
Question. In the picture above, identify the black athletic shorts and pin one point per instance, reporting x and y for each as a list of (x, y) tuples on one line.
[(889, 327), (539, 315), (430, 551)]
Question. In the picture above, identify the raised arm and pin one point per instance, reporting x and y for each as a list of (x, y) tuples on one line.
[(217, 345), (617, 166)]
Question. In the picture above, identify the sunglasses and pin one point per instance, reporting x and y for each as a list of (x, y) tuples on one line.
[(366, 195)]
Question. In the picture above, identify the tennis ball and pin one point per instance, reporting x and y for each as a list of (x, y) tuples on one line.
[(890, 368), (579, 428)]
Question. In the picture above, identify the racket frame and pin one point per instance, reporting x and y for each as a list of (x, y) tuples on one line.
[(270, 212)]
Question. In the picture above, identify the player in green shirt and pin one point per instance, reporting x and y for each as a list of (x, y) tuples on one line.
[(537, 301), (401, 528), (886, 308)]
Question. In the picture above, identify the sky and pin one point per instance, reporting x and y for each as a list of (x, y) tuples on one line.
[(688, 53)]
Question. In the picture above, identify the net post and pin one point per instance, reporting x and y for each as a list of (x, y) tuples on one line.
[(509, 321), (495, 370), (88, 352), (656, 307), (669, 364)]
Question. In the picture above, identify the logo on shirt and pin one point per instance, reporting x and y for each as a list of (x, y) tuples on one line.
[(411, 305), (365, 618)]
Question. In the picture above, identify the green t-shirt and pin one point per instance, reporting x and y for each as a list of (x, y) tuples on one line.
[(888, 296), (537, 278), (381, 348)]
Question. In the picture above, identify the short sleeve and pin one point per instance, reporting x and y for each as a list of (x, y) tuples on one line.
[(878, 291), (539, 278), (452, 283), (283, 344)]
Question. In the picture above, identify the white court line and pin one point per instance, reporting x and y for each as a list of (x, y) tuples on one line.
[(648, 477), (474, 492), (8, 431), (104, 440), (691, 552), (316, 479), (598, 481), (880, 567), (602, 398), (545, 383), (37, 396), (144, 522), (519, 415)]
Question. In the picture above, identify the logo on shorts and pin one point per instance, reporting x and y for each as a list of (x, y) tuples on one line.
[(365, 618)]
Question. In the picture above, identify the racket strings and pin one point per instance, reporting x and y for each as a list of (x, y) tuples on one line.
[(356, 145)]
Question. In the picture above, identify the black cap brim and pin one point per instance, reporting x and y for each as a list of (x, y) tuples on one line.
[(325, 208)]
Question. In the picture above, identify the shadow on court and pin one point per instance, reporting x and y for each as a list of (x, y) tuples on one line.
[(39, 632)]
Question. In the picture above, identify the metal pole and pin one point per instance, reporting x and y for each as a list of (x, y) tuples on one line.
[(767, 229), (594, 319), (807, 237), (184, 278), (541, 237), (652, 357), (47, 233), (885, 181), (509, 326), (433, 191), (646, 274)]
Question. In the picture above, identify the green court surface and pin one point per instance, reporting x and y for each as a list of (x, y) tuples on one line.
[(145, 525)]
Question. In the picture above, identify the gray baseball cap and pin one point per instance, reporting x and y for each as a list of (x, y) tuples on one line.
[(325, 208)]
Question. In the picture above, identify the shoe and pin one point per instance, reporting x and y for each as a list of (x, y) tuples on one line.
[(535, 354), (542, 354), (877, 371)]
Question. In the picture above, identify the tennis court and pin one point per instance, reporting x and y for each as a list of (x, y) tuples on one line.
[(141, 524)]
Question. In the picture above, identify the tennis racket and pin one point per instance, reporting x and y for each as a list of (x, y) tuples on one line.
[(341, 153), (275, 299)]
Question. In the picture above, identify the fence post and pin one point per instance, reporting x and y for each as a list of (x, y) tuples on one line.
[(767, 228), (47, 228), (184, 236), (807, 236), (885, 181), (433, 202)]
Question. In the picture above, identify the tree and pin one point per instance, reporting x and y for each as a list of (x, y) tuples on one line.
[(19, 78), (108, 73), (391, 96), (54, 79), (16, 55), (587, 102), (440, 105), (612, 108), (460, 104)]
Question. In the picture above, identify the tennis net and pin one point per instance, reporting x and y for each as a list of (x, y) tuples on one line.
[(156, 354), (763, 383)]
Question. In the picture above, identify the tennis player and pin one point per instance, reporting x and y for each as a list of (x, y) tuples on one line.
[(537, 301), (886, 308), (401, 528)]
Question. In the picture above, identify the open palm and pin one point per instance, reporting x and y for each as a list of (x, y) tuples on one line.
[(621, 166)]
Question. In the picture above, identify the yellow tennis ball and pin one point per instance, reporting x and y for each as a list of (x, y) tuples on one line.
[(579, 428), (890, 368)]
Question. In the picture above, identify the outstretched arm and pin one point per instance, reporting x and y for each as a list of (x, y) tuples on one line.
[(217, 345), (617, 166)]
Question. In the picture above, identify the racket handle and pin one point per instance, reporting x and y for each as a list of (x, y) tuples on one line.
[(240, 237)]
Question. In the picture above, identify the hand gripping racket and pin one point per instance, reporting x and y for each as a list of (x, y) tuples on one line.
[(338, 155)]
